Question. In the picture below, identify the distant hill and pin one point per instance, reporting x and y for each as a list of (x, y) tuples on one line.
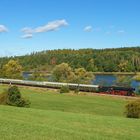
[(125, 59)]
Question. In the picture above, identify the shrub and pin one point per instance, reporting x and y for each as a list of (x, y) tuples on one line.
[(76, 91), (3, 97), (64, 89), (13, 90), (23, 103), (13, 97), (133, 109)]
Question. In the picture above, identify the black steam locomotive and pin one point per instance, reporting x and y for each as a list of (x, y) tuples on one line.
[(117, 90)]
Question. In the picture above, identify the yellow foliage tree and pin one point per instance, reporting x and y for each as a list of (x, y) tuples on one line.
[(123, 66), (12, 69), (64, 73), (83, 76)]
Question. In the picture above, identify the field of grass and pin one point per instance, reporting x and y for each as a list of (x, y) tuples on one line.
[(54, 116)]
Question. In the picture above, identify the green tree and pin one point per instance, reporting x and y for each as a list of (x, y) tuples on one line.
[(37, 76), (102, 60), (62, 73), (82, 76), (123, 66), (12, 69), (91, 66)]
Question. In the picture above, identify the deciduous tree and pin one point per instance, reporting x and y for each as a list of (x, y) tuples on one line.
[(12, 69)]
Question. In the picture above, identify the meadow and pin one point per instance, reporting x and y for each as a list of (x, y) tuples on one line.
[(54, 116)]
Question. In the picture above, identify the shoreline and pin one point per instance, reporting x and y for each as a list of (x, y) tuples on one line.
[(116, 73)]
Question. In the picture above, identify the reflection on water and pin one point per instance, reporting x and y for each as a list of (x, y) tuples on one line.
[(106, 80)]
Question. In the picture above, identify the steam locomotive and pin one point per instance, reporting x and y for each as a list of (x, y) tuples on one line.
[(117, 90)]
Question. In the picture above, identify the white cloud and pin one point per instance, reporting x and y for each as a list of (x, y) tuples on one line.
[(3, 29), (50, 26), (88, 29), (27, 36), (27, 30)]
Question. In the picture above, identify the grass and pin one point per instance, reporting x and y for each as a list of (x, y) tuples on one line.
[(54, 116)]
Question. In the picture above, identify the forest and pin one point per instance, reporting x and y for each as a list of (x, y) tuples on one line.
[(125, 59)]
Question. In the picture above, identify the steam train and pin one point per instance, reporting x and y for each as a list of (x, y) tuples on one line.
[(113, 90), (117, 90)]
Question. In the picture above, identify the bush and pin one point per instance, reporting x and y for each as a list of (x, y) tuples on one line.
[(64, 89), (13, 90), (13, 97), (76, 91), (133, 109), (23, 103), (3, 97)]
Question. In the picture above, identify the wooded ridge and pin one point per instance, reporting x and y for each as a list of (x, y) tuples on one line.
[(125, 59)]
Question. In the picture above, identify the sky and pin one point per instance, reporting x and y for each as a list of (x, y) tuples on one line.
[(34, 25)]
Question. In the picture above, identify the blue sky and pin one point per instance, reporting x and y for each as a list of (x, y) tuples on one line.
[(35, 25)]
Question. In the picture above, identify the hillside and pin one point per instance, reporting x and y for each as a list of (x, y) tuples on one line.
[(102, 60), (56, 116)]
